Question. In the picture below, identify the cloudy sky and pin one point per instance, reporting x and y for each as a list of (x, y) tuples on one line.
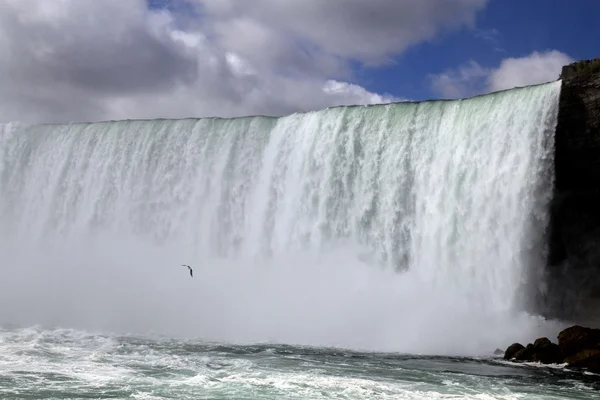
[(88, 60)]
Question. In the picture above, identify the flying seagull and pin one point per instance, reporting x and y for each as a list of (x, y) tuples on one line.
[(190, 268)]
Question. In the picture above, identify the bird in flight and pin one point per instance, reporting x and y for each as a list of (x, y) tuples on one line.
[(190, 268)]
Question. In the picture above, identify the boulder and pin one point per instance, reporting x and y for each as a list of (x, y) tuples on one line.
[(540, 342), (542, 350), (575, 339), (586, 359), (577, 346), (546, 352), (512, 350), (525, 354)]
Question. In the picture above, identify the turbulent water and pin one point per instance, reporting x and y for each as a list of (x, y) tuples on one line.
[(411, 227), (65, 364)]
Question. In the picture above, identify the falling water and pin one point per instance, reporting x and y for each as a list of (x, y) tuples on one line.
[(372, 218)]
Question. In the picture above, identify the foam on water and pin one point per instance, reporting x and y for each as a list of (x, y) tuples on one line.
[(73, 364), (408, 227)]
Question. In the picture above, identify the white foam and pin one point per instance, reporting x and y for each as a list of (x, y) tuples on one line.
[(321, 386), (126, 363)]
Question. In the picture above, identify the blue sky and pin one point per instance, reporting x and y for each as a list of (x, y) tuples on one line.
[(87, 60), (516, 27), (503, 29)]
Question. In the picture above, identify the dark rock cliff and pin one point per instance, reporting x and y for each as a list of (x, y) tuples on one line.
[(573, 271)]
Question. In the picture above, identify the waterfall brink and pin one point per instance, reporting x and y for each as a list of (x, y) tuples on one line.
[(406, 226)]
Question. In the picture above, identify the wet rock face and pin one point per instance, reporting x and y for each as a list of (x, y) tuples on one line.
[(573, 271), (577, 346), (578, 133), (577, 338), (586, 359)]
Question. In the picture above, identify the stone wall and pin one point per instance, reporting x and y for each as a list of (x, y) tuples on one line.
[(574, 253)]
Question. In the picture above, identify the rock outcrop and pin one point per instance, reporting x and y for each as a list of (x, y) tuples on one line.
[(577, 338), (542, 350), (577, 346), (573, 273), (513, 350)]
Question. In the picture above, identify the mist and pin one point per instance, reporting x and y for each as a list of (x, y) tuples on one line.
[(124, 286)]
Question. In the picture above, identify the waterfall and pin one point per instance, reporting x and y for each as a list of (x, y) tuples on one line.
[(447, 196)]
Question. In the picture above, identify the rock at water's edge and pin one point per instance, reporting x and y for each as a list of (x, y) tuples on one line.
[(589, 359), (525, 354), (512, 350), (577, 338), (546, 352), (542, 350), (577, 346)]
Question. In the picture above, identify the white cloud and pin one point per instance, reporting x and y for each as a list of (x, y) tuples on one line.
[(487, 35), (461, 81), (533, 69), (472, 79), (366, 30), (491, 37), (90, 60), (356, 93)]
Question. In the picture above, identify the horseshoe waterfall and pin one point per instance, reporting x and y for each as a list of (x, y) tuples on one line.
[(410, 227)]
